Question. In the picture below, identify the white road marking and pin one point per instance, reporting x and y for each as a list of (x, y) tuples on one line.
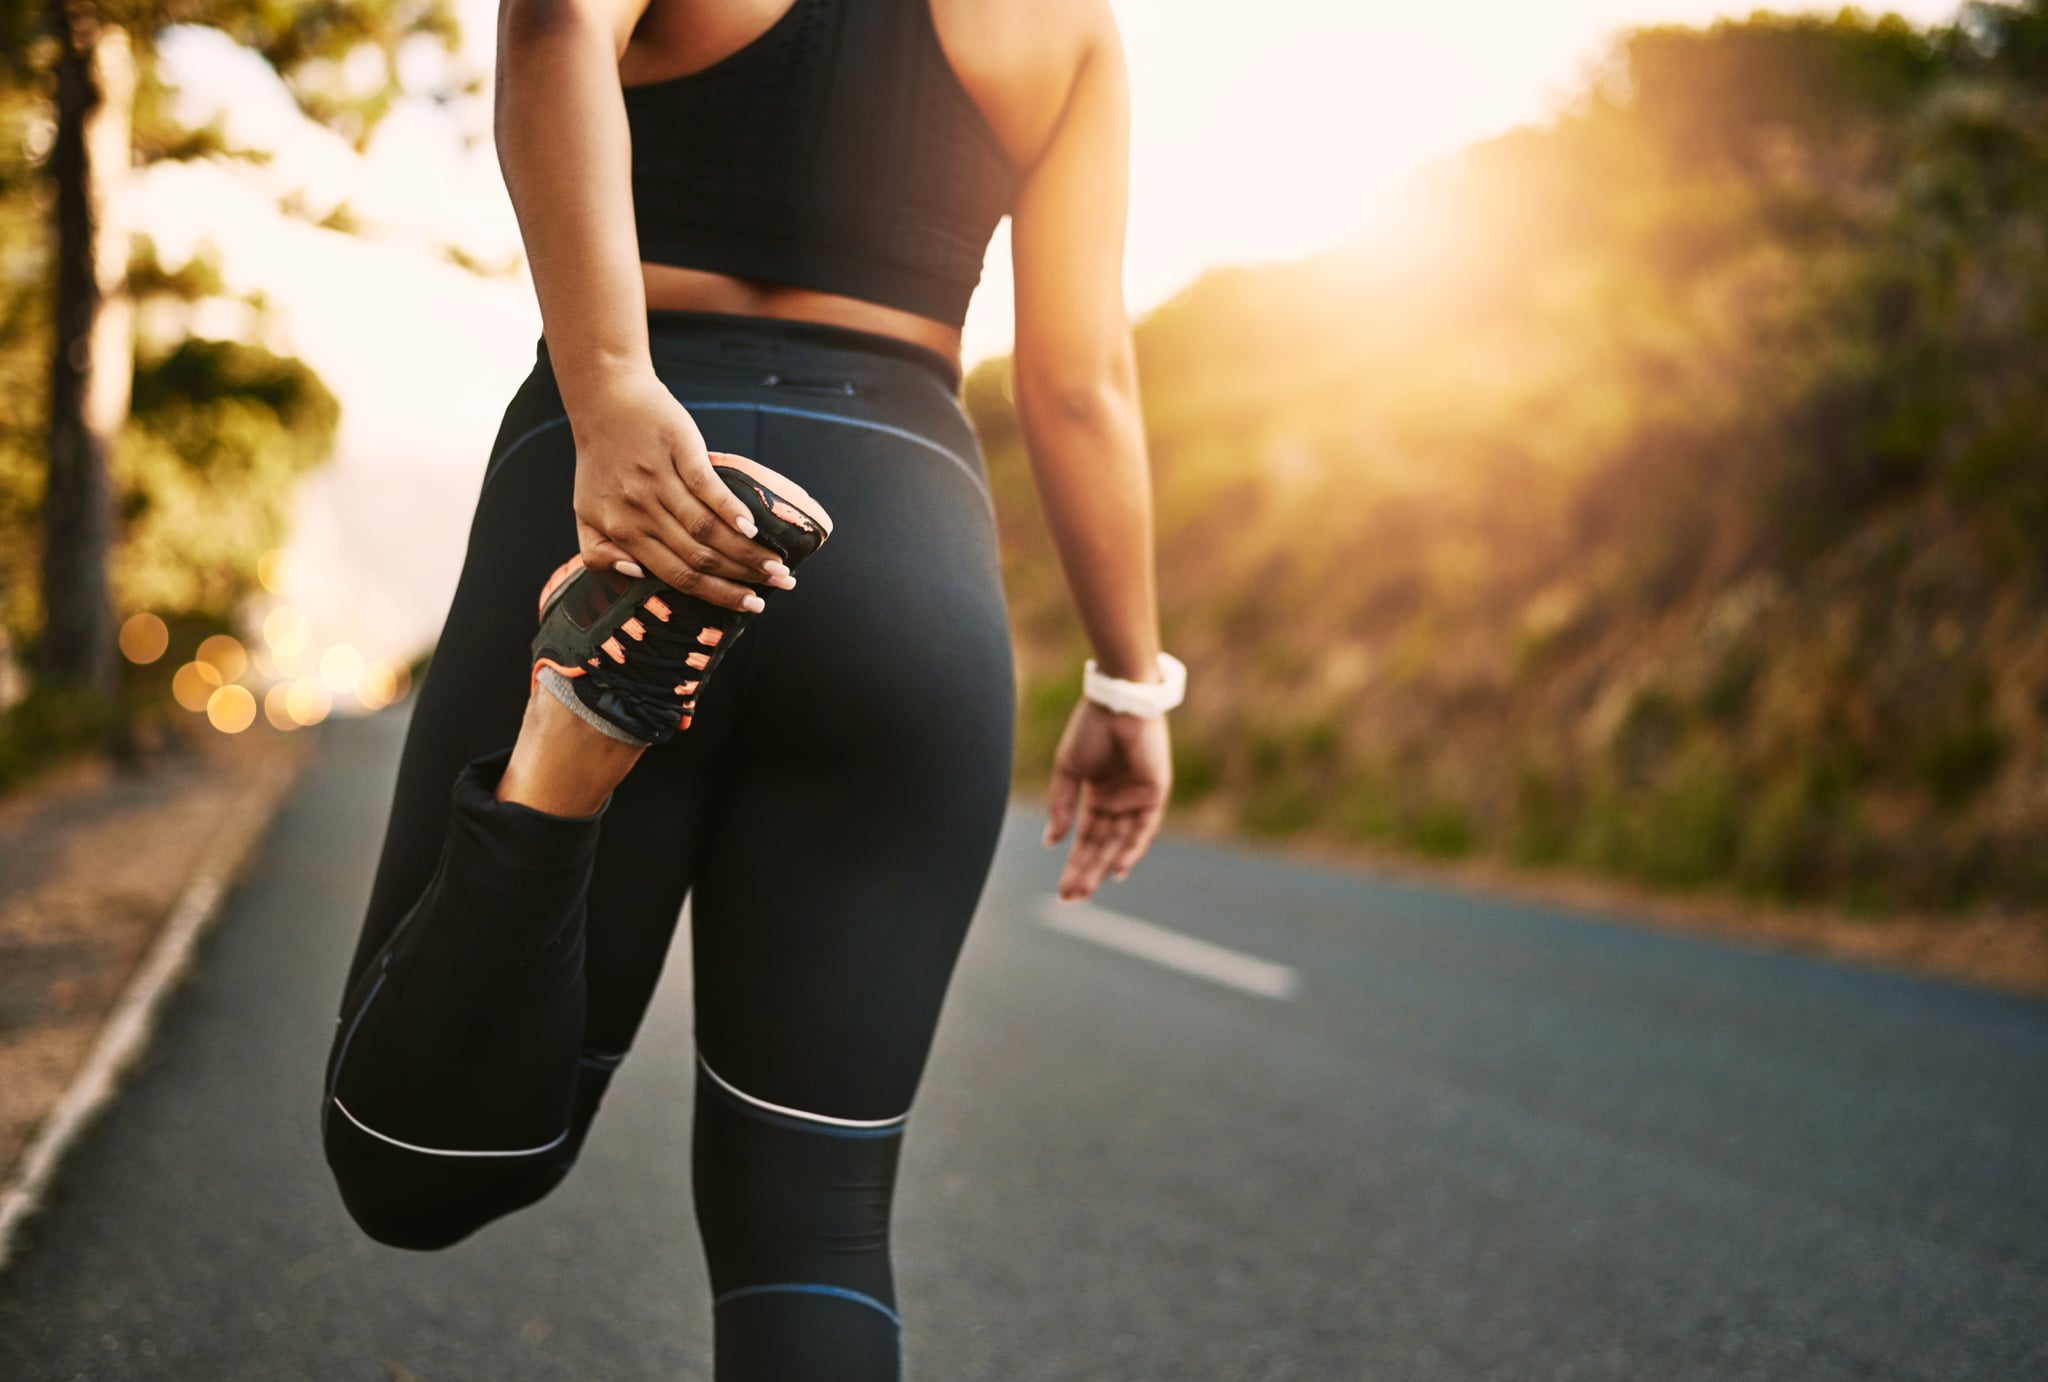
[(1163, 946)]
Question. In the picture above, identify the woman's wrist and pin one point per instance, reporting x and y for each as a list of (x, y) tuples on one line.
[(1147, 698), (1133, 662), (591, 378)]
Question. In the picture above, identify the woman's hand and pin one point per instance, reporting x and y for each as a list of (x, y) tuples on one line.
[(648, 501), (1119, 769)]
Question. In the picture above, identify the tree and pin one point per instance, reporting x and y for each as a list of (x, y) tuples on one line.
[(91, 359), (95, 56)]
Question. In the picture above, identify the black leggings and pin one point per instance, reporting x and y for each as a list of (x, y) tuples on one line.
[(831, 813)]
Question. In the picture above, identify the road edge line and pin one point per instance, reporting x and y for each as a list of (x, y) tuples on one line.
[(130, 1024)]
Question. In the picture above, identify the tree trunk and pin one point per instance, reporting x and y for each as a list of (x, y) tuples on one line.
[(93, 362)]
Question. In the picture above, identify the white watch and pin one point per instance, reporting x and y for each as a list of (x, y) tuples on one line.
[(1149, 699)]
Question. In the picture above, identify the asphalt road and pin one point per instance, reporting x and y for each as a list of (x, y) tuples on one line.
[(1394, 1133)]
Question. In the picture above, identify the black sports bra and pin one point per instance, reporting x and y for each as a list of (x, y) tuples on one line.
[(838, 151)]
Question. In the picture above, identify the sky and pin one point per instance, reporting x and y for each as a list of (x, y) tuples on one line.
[(1258, 133)]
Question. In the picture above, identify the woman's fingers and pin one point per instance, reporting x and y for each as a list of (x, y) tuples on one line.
[(714, 516), (639, 543), (1103, 833), (783, 485), (1140, 839), (1129, 824), (665, 562), (665, 528), (1110, 842), (1059, 805), (1082, 858), (600, 552), (662, 535)]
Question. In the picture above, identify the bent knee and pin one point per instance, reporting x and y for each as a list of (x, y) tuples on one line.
[(423, 1201), (399, 1221)]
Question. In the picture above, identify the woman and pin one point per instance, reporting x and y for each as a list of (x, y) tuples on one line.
[(754, 227)]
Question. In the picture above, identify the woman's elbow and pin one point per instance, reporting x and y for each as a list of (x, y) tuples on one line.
[(524, 25), (1072, 394)]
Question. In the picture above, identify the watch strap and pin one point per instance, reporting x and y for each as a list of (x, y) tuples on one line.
[(1147, 699)]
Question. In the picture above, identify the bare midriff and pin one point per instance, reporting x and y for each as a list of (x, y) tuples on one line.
[(696, 290)]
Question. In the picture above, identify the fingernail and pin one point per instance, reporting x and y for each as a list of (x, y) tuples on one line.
[(629, 568), (747, 525), (783, 582), (753, 604), (774, 567)]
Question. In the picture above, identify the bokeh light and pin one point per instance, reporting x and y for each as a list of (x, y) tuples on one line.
[(144, 638), (308, 701), (225, 654), (287, 630), (383, 683), (270, 570), (341, 667), (232, 709), (277, 706), (194, 684)]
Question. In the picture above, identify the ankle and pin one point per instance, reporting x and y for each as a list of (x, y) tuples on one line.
[(557, 685), (562, 766)]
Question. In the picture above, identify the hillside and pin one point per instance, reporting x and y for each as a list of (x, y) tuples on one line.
[(1662, 491)]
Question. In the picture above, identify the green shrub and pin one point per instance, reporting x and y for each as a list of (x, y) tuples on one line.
[(1363, 809), (50, 723), (1277, 806), (1781, 852), (1541, 831), (1725, 697), (1956, 761), (1196, 770), (1443, 829), (1689, 828), (1649, 732)]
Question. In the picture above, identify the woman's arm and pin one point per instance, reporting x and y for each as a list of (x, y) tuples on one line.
[(1077, 402), (1076, 379), (646, 494)]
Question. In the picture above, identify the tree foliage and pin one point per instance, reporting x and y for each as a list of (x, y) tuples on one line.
[(219, 429)]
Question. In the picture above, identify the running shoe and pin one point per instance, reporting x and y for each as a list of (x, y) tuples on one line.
[(638, 652)]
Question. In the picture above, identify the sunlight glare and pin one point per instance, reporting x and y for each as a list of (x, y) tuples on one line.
[(341, 667)]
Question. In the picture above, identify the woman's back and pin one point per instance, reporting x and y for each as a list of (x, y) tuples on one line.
[(837, 151), (863, 149)]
